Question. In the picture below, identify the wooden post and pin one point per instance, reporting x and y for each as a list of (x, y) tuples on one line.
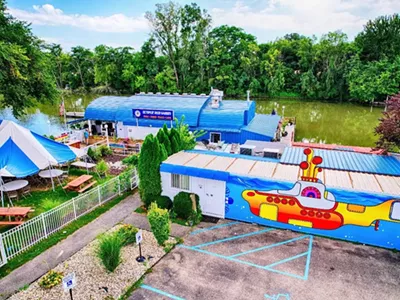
[(194, 204)]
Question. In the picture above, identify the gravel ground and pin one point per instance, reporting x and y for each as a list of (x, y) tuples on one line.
[(92, 276)]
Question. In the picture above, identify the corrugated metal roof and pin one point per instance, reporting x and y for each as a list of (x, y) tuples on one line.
[(264, 125), (111, 108), (254, 167), (104, 108), (230, 114), (348, 161)]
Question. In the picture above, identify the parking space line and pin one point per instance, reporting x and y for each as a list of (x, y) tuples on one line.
[(233, 238), (270, 246), (287, 259), (240, 261), (213, 227), (307, 268), (150, 288)]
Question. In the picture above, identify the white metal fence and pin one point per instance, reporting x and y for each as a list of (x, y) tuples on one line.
[(20, 238)]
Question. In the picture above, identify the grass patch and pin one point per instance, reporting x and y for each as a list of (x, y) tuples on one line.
[(42, 246)]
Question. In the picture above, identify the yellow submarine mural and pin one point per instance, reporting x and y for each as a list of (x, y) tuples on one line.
[(309, 204)]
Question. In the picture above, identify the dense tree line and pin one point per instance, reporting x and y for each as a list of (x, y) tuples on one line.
[(185, 54)]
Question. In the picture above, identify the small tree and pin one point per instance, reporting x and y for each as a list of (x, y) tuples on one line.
[(149, 169), (159, 223), (187, 139), (389, 127), (163, 139), (102, 168)]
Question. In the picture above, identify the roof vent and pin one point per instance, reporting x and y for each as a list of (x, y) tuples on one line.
[(167, 93), (158, 93), (176, 94), (150, 93), (184, 94), (216, 98)]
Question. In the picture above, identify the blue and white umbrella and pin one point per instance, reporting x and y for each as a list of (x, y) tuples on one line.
[(24, 153)]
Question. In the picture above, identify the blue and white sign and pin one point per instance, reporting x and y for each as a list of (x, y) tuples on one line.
[(69, 282), (139, 237), (153, 114)]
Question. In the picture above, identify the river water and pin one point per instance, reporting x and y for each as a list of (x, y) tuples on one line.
[(340, 123)]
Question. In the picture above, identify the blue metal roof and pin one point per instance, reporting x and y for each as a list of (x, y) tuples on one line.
[(347, 161), (265, 125), (230, 114), (121, 108), (104, 108)]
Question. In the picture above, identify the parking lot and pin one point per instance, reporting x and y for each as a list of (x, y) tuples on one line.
[(233, 260)]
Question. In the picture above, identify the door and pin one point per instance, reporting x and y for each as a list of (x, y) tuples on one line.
[(214, 198)]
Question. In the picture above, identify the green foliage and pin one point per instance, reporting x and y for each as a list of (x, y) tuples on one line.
[(149, 170), (163, 138), (183, 208), (109, 251), (50, 203), (159, 222), (164, 202), (380, 38), (132, 160), (102, 168), (103, 150), (127, 234), (25, 70), (183, 205), (51, 279), (186, 139)]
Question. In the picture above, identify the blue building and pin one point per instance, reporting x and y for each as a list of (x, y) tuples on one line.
[(231, 121)]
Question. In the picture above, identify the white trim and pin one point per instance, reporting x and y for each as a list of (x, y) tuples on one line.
[(214, 132)]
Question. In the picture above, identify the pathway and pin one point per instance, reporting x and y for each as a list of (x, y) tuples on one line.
[(49, 259)]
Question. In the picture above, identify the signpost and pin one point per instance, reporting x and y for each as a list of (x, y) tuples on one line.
[(139, 238), (153, 114), (69, 282)]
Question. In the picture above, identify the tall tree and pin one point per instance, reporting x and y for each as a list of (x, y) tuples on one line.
[(380, 38), (25, 74)]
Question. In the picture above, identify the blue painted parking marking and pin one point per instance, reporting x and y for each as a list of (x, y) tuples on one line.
[(150, 288), (213, 227), (268, 267), (233, 238), (282, 261), (277, 297), (269, 246)]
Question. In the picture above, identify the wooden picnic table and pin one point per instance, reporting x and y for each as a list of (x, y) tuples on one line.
[(80, 184), (18, 213)]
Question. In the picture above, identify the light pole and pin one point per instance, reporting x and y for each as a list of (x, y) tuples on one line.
[(283, 111)]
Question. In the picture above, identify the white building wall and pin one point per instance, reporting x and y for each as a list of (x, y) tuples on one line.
[(135, 132), (211, 193)]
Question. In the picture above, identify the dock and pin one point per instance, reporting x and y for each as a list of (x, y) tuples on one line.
[(75, 114)]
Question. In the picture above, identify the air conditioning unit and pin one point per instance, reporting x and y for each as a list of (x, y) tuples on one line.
[(247, 150), (271, 153)]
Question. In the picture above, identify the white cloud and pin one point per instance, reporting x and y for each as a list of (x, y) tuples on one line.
[(49, 15), (305, 16)]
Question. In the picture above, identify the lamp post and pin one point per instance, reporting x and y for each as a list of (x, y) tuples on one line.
[(108, 142), (283, 111)]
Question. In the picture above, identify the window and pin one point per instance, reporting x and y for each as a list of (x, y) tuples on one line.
[(215, 137), (180, 181)]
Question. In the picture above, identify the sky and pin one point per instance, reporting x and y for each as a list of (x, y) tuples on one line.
[(120, 23)]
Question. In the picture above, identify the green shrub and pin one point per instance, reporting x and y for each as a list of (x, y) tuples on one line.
[(159, 223), (132, 160), (164, 202), (149, 170), (183, 205), (104, 150), (127, 234), (93, 154), (52, 278), (109, 251), (102, 168), (48, 204)]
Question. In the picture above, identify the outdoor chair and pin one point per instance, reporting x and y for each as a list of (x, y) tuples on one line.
[(26, 191), (12, 195)]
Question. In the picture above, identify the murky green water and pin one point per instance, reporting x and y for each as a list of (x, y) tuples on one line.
[(340, 123)]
